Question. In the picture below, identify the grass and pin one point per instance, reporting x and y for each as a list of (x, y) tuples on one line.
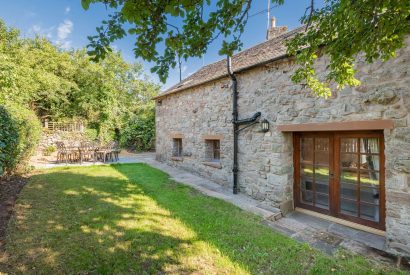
[(131, 218)]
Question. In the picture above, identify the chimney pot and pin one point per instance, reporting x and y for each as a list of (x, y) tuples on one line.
[(275, 31), (273, 22)]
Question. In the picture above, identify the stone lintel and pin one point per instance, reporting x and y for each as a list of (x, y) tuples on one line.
[(213, 137), (176, 135), (338, 126)]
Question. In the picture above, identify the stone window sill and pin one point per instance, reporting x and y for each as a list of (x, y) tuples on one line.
[(212, 164), (177, 158)]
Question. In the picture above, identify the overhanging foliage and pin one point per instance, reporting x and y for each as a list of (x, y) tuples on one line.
[(187, 28)]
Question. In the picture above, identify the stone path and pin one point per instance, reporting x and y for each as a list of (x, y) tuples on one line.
[(321, 234)]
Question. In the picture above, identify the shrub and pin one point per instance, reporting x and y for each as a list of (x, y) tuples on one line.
[(20, 135), (49, 150), (91, 134), (139, 133), (9, 137)]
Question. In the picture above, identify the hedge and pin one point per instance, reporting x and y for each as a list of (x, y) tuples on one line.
[(20, 132), (139, 132)]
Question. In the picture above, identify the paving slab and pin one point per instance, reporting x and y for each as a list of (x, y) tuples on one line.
[(41, 162)]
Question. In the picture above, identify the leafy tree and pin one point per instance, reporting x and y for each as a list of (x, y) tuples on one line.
[(35, 74), (187, 27), (62, 85)]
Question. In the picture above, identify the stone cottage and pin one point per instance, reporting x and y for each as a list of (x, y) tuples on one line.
[(346, 158)]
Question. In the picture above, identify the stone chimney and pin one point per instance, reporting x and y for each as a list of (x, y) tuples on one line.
[(275, 31)]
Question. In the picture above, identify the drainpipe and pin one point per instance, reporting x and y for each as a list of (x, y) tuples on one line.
[(236, 122), (235, 125)]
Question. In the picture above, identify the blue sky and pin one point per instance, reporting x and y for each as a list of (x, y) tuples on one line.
[(65, 22)]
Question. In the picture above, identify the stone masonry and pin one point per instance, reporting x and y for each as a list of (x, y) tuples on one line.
[(266, 159)]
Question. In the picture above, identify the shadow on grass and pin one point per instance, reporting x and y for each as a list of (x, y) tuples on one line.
[(131, 218), (76, 223), (235, 233)]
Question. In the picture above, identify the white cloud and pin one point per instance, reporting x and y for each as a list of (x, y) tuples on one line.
[(184, 68), (66, 44), (59, 35), (64, 29), (67, 10), (37, 29), (63, 32)]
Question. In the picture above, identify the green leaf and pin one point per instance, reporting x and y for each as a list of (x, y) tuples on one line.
[(85, 4)]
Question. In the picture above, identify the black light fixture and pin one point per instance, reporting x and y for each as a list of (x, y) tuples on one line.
[(265, 125)]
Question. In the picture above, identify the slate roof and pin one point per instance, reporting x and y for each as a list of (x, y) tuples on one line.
[(260, 54)]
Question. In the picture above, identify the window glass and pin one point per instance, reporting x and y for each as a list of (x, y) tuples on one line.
[(360, 177), (369, 145), (306, 151), (349, 207), (369, 212), (177, 147), (322, 200), (348, 145), (369, 195), (314, 171), (307, 197), (213, 150), (349, 160), (371, 162), (216, 150)]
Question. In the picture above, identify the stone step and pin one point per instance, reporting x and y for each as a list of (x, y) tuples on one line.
[(269, 207), (275, 217)]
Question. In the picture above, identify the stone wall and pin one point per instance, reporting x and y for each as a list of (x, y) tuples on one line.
[(266, 159), (49, 138)]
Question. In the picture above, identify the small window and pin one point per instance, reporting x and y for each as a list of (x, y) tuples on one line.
[(213, 150), (177, 147)]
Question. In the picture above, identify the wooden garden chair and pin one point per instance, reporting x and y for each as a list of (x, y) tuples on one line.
[(105, 152)]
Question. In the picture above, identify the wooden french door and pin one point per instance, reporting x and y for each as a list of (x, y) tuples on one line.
[(341, 174)]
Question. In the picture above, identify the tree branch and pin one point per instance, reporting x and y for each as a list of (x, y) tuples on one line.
[(312, 9)]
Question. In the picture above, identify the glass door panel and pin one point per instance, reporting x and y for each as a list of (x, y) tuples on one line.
[(369, 212), (348, 207), (314, 171), (359, 188)]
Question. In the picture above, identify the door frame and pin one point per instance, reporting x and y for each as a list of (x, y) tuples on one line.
[(334, 174)]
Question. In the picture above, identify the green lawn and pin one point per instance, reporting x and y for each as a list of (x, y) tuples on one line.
[(132, 218)]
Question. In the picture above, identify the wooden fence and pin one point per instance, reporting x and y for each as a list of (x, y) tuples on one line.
[(63, 126)]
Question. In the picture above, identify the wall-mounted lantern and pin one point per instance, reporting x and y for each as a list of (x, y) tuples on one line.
[(265, 125)]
